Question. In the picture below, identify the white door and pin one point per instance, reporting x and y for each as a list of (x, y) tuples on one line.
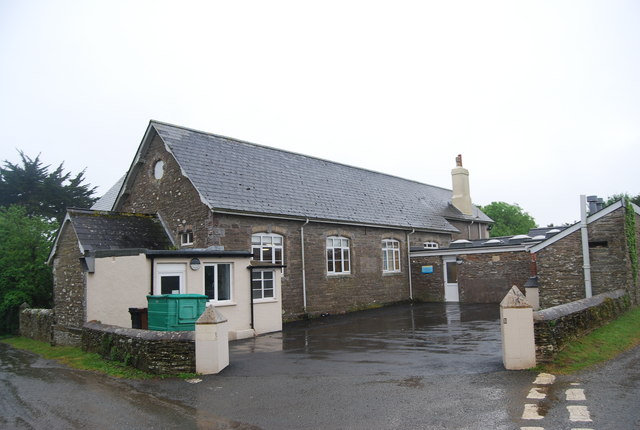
[(450, 279)]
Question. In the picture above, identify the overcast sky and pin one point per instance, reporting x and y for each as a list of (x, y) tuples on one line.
[(542, 99)]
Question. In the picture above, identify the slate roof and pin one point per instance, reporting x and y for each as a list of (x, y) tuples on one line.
[(105, 203), (238, 176), (101, 230)]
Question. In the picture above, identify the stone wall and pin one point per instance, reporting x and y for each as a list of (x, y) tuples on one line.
[(427, 287), (173, 196), (482, 278), (555, 327), (608, 254), (68, 289), (560, 265), (179, 204), (158, 352), (37, 324)]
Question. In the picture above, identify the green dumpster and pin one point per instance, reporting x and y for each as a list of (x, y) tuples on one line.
[(175, 312)]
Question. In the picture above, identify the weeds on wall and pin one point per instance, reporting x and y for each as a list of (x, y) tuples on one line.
[(630, 233)]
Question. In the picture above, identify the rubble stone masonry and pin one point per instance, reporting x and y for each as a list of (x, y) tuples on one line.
[(69, 290), (482, 278), (560, 265), (180, 206)]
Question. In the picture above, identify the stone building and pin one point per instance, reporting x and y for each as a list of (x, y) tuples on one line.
[(343, 233), (551, 259)]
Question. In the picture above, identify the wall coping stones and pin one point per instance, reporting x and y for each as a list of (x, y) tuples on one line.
[(577, 306), (152, 335)]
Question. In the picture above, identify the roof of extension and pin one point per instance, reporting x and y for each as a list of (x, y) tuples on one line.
[(536, 240), (102, 230), (237, 176)]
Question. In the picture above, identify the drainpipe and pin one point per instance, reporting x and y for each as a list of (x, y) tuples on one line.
[(251, 295), (304, 276), (409, 264), (152, 273), (585, 246)]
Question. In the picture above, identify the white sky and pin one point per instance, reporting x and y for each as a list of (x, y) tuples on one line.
[(542, 99)]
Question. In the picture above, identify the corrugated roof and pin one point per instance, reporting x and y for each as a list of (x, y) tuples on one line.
[(239, 176)]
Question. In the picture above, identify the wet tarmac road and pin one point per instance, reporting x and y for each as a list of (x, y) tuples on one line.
[(421, 366), (40, 394), (416, 339)]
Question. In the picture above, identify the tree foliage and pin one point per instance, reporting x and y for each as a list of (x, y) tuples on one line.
[(614, 198), (41, 192), (25, 243), (509, 219)]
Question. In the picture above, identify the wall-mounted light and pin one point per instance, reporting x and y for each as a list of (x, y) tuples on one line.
[(194, 263), (459, 260)]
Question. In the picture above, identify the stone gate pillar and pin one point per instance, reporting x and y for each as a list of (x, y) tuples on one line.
[(516, 326), (212, 342)]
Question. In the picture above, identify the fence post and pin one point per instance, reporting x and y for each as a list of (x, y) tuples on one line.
[(212, 342), (516, 326)]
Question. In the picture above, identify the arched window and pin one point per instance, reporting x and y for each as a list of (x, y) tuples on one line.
[(268, 247), (338, 258), (390, 256)]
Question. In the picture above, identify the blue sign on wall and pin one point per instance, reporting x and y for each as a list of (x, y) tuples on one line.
[(427, 269)]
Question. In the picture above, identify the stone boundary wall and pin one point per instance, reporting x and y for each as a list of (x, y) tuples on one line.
[(37, 324), (556, 326), (158, 352)]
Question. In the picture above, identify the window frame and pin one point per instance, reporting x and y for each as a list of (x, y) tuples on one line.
[(163, 270), (261, 279), (262, 245), (189, 238), (391, 254), (344, 254), (216, 279)]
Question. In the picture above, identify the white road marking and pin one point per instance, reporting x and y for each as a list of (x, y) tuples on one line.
[(575, 394), (531, 428), (579, 413), (545, 379), (576, 383), (536, 393), (531, 412)]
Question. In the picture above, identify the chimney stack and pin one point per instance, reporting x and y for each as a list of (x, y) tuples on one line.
[(461, 198)]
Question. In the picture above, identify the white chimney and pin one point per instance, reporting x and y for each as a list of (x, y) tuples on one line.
[(461, 198)]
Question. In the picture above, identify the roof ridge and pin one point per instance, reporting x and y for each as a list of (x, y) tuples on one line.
[(103, 212), (294, 153)]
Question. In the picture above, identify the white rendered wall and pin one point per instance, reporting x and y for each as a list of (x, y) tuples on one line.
[(119, 283)]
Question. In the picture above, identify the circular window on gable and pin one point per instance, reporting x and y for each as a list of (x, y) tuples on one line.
[(158, 169)]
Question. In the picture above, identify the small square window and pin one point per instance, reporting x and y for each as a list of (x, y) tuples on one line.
[(186, 238)]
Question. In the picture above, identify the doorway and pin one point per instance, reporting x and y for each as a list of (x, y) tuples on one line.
[(451, 293)]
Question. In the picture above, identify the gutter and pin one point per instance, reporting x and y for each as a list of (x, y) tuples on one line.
[(324, 221)]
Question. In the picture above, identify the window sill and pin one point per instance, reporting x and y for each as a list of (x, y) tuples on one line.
[(391, 273), (338, 275), (220, 304), (258, 301)]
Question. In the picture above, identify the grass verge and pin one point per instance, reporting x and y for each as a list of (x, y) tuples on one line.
[(76, 358), (598, 346)]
